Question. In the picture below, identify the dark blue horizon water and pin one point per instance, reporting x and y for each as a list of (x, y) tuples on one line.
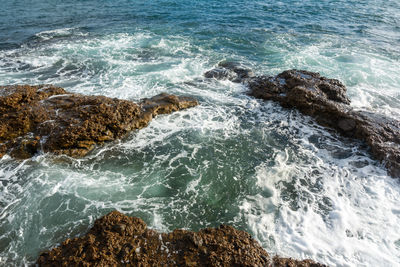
[(365, 21), (298, 189)]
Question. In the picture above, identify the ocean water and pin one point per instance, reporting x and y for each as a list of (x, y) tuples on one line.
[(300, 190)]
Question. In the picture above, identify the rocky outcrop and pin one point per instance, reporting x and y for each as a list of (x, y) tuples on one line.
[(49, 119), (119, 240), (326, 100)]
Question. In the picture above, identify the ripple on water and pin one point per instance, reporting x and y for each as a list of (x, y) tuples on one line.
[(300, 190)]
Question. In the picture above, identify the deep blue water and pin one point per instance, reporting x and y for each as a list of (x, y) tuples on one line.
[(298, 189)]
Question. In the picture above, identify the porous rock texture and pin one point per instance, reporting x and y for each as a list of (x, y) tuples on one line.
[(326, 100), (119, 240), (49, 119)]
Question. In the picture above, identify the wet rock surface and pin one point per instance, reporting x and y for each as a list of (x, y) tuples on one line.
[(326, 100), (119, 240), (49, 119)]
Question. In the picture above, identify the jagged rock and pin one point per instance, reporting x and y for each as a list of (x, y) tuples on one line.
[(288, 262), (50, 119), (297, 86), (119, 240), (326, 100)]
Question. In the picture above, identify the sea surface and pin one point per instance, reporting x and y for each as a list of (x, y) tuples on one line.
[(300, 190)]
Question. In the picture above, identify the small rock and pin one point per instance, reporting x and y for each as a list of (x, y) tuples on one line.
[(230, 71)]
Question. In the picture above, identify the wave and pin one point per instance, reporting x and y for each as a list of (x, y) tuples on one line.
[(297, 188)]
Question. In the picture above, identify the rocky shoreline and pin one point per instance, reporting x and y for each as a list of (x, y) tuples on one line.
[(119, 240), (45, 118), (326, 101)]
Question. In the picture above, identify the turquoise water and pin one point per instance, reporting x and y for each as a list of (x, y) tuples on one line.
[(300, 190)]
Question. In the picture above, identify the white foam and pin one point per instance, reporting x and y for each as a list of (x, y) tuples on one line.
[(302, 200), (47, 35), (354, 231)]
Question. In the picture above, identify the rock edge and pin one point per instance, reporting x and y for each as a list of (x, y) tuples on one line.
[(49, 119), (119, 240), (326, 101)]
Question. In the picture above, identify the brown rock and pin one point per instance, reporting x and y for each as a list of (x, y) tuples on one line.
[(326, 100), (49, 119), (104, 245), (288, 262)]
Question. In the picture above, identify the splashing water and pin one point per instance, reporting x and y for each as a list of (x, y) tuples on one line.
[(299, 189)]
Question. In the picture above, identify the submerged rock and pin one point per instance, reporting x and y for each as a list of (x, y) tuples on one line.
[(49, 119), (326, 100), (230, 71), (119, 240)]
